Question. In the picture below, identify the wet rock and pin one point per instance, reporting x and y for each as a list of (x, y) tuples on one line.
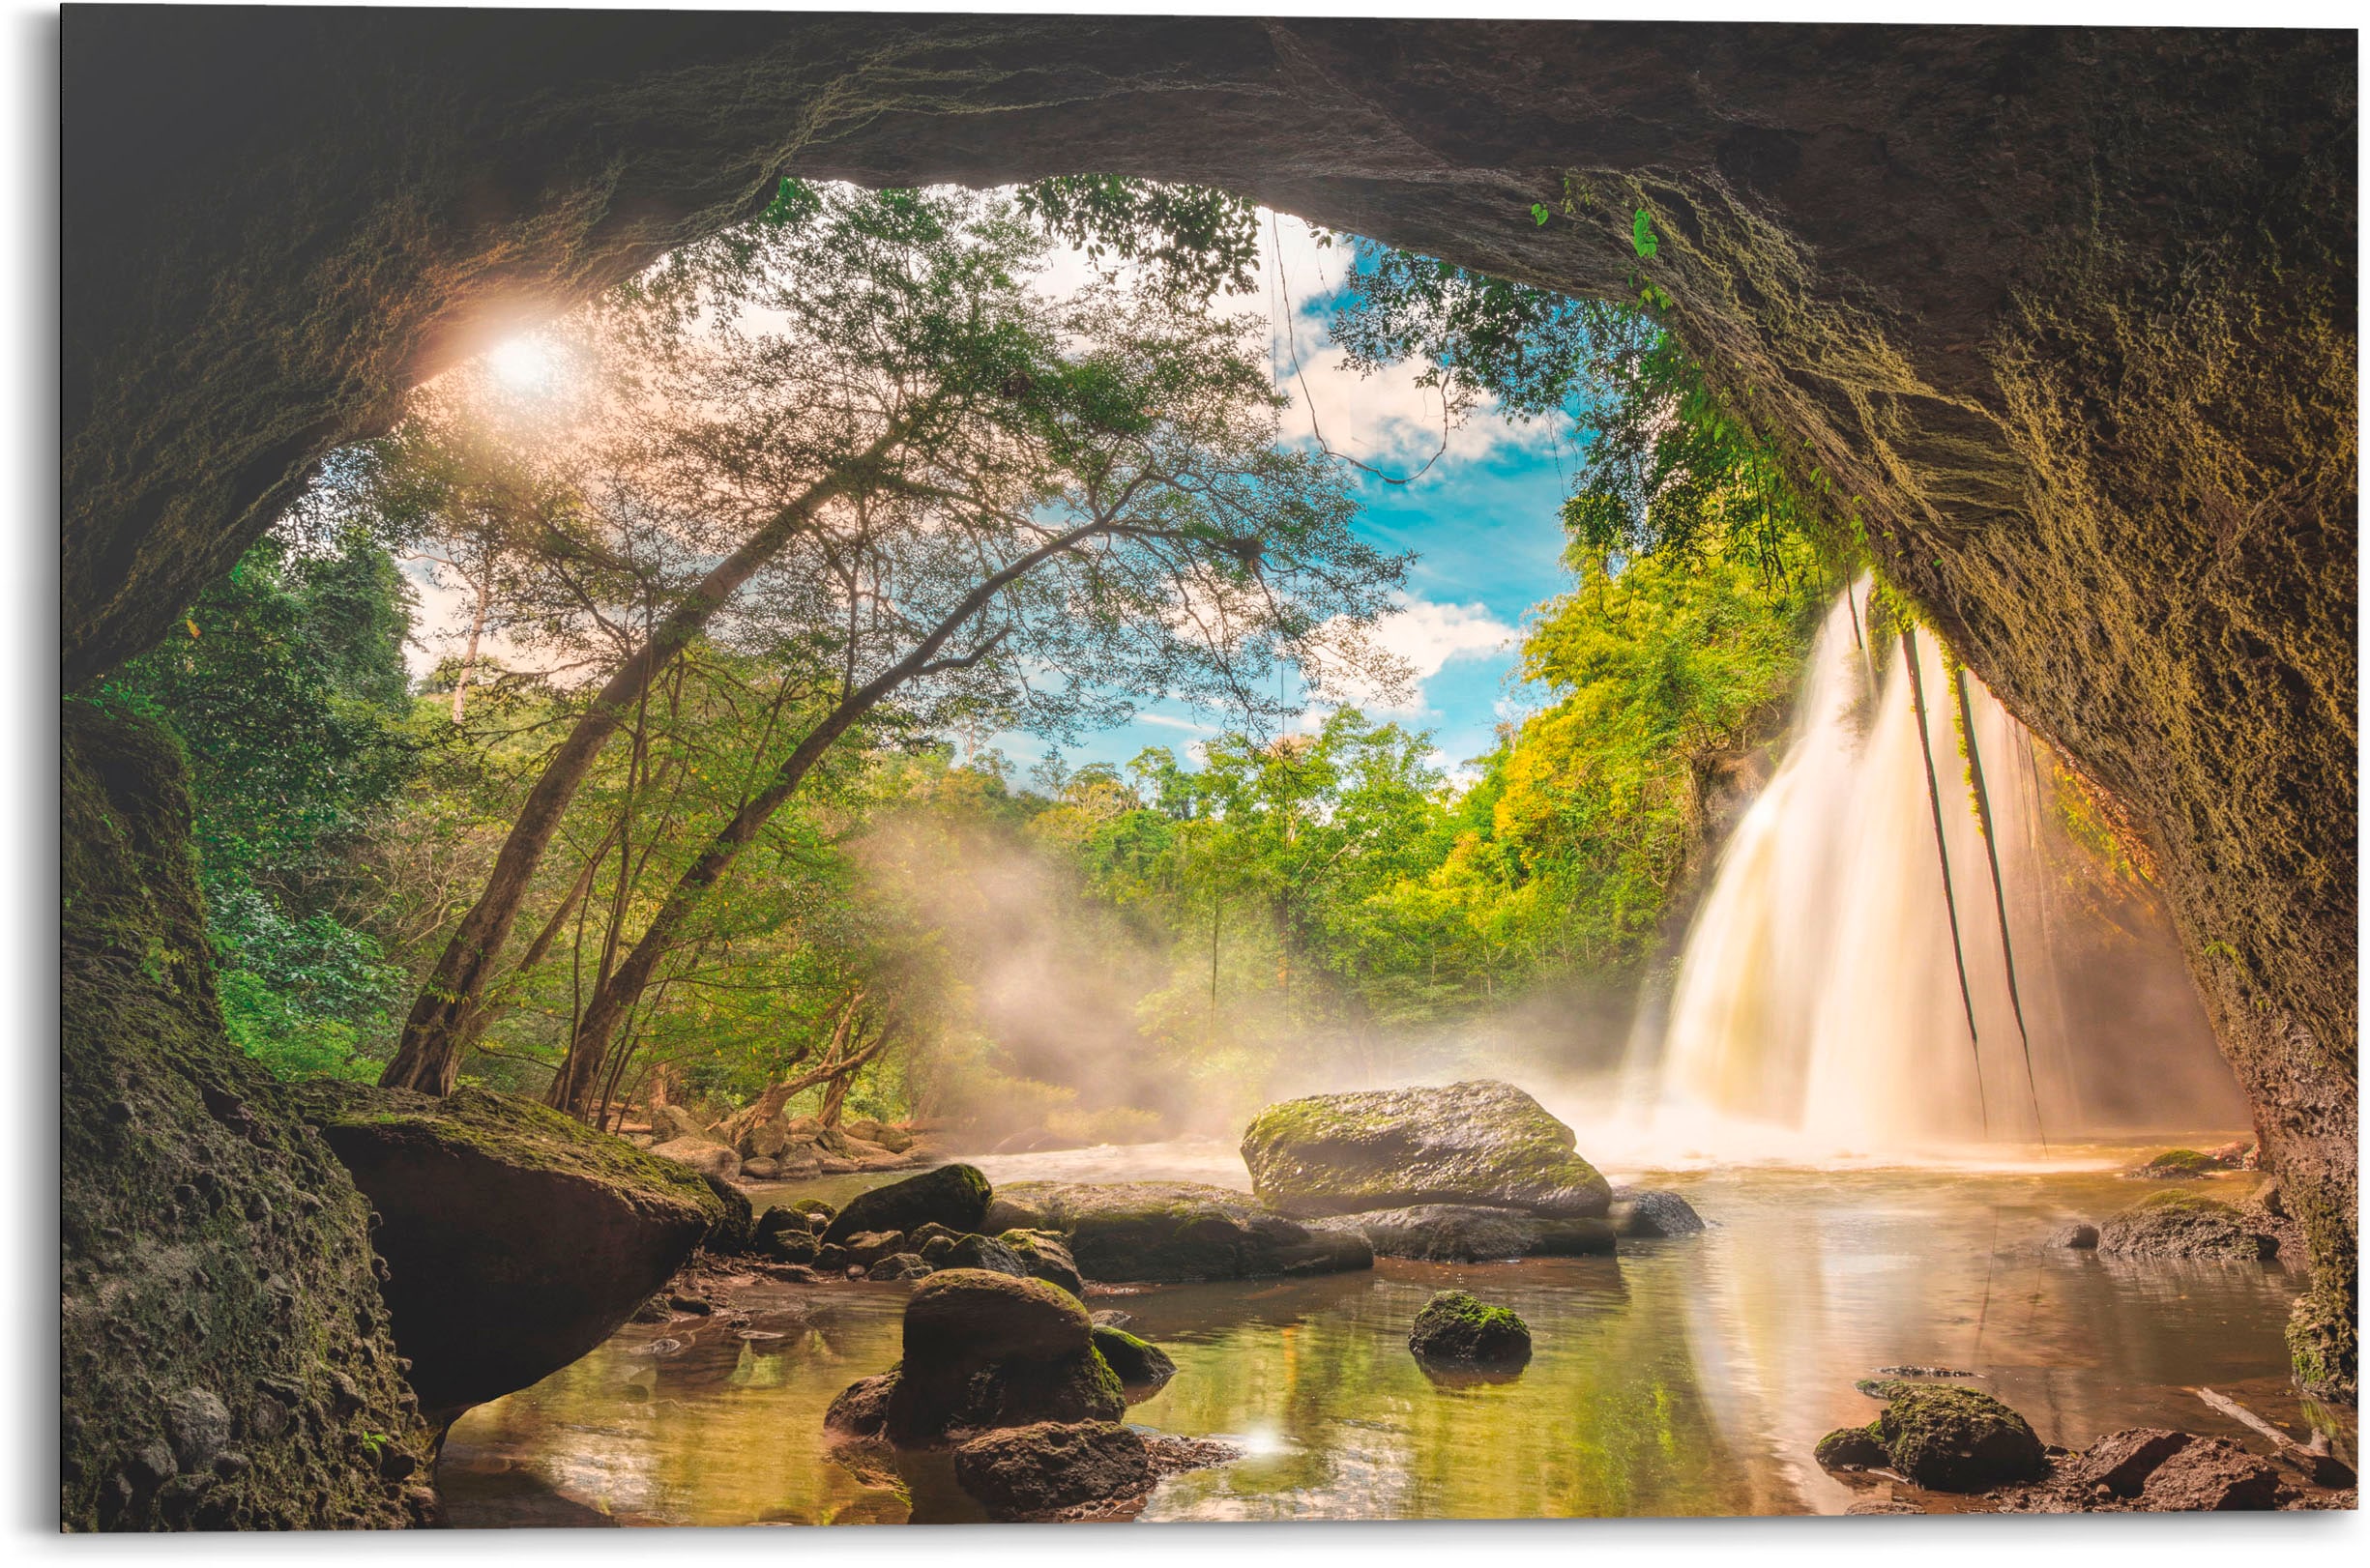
[(833, 1261), (729, 1234), (2121, 1461), (1883, 1505), (985, 1252), (706, 1158), (984, 1349), (759, 1169), (862, 1410), (2177, 1165), (1851, 1448), (921, 1235), (1045, 1256), (1182, 1231), (1479, 1142), (955, 1196), (1653, 1213), (2211, 1476), (1110, 1318), (898, 1265), (1953, 1439), (2081, 1236), (1144, 1369), (779, 1220), (869, 1247), (1465, 1234), (2183, 1225), (1457, 1326), (515, 1239), (1032, 1470)]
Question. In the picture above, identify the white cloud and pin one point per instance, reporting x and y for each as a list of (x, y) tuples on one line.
[(1426, 636)]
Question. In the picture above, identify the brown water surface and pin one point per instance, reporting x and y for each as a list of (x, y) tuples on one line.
[(1685, 1376)]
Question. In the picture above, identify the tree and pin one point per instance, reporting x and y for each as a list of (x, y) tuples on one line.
[(1147, 538), (287, 692)]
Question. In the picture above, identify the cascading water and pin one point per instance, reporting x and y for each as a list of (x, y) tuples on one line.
[(1818, 994)]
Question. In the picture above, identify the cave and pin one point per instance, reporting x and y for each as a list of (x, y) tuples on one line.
[(2066, 314)]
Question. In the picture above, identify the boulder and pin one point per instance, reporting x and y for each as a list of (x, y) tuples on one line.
[(921, 1235), (1045, 1256), (669, 1122), (1457, 1326), (2183, 1225), (731, 1233), (2121, 1461), (515, 1239), (1465, 1234), (895, 1140), (955, 1196), (984, 1349), (767, 1140), (1169, 1231), (2081, 1236), (868, 1247), (985, 1252), (2179, 1165), (1950, 1439), (2211, 1476), (898, 1265), (1642, 1216), (1851, 1448), (1029, 1472), (1144, 1369), (1481, 1143), (701, 1155), (759, 1170), (862, 1410)]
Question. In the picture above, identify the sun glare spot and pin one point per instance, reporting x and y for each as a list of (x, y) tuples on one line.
[(525, 364)]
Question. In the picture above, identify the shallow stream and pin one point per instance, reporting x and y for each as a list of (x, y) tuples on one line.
[(1691, 1376)]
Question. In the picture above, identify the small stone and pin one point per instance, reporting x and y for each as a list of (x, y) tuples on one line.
[(1455, 1326), (197, 1424)]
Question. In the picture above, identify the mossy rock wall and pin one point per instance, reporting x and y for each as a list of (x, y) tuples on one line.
[(224, 1356), (2066, 315)]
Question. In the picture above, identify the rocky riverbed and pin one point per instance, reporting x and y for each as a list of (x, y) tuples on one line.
[(1686, 1375)]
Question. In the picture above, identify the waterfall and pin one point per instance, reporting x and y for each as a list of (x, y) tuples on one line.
[(1818, 994)]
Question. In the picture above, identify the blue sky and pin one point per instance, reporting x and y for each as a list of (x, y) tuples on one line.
[(1482, 520)]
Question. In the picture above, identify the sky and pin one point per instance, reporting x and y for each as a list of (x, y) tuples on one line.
[(1482, 519)]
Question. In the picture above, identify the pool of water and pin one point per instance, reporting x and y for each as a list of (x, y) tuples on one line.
[(1686, 1376)]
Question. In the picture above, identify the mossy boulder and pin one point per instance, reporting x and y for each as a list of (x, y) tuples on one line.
[(2180, 1165), (1043, 1255), (955, 1196), (1030, 1472), (700, 1154), (1465, 1233), (2184, 1225), (515, 1239), (983, 1252), (1457, 1326), (224, 1360), (1481, 1143), (1144, 1369), (1943, 1438), (988, 1350), (1851, 1448), (1172, 1232)]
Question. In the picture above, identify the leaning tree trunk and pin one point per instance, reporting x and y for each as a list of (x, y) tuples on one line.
[(447, 1014)]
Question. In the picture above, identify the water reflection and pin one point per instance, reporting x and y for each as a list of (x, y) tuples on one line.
[(1686, 1376)]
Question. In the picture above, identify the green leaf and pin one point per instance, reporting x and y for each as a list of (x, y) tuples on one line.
[(1538, 214), (1642, 233)]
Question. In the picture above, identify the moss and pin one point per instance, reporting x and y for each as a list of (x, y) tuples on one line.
[(1456, 1325), (2177, 1164), (2322, 1342), (1139, 1364), (1953, 1439), (506, 1129), (218, 1300)]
